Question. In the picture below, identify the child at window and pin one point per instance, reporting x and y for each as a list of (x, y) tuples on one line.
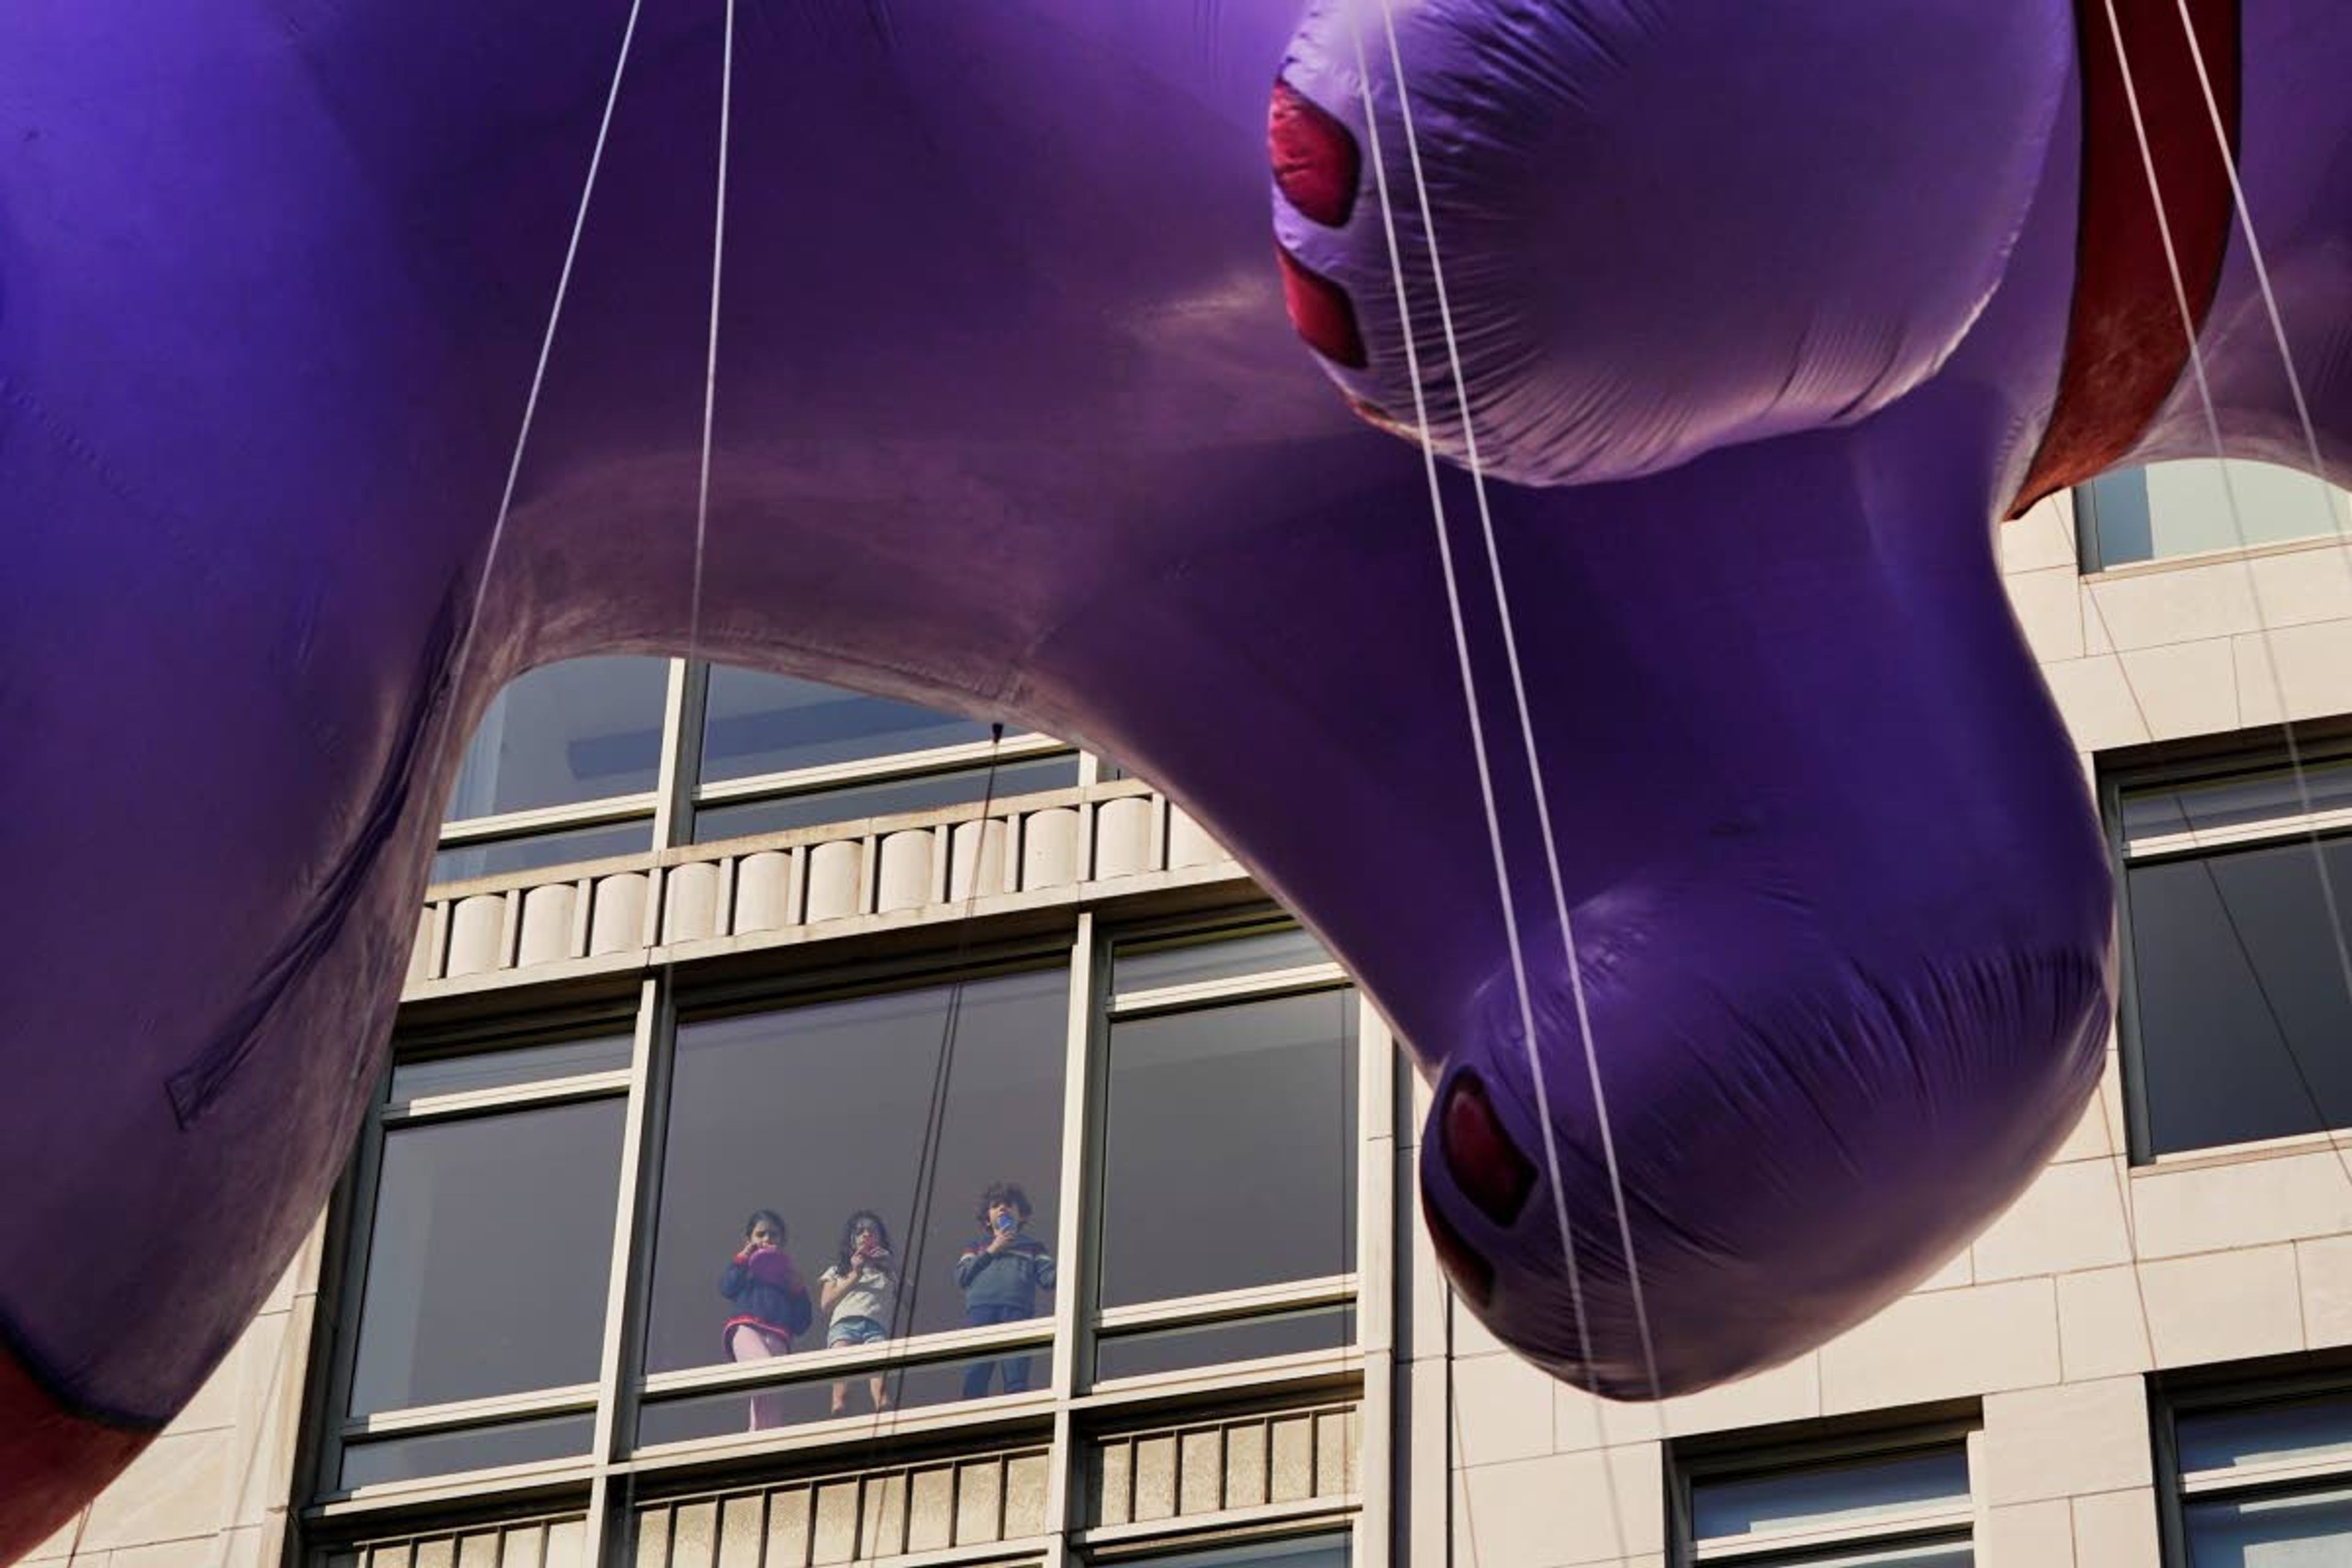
[(772, 1305), (1000, 1275), (859, 1295)]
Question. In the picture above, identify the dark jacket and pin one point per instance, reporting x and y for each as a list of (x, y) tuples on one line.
[(1008, 1279), (767, 1293)]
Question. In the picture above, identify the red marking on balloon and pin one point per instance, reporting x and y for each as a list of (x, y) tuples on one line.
[(1487, 1166), (1472, 1275), (2125, 343), (1315, 163), (53, 1458), (1322, 313)]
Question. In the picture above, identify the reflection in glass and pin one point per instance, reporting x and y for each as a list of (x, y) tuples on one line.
[(2182, 508), (2237, 801), (823, 1110), (1230, 1147), (850, 803), (758, 724), (1208, 1344), (383, 1459), (506, 1068), (1858, 1492), (582, 729), (2301, 1429), (2242, 1008), (487, 1255), (536, 851), (929, 1385), (1153, 967), (2311, 1530)]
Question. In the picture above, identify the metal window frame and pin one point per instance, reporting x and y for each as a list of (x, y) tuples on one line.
[(2200, 765), (1065, 1411), (2199, 1392), (1709, 1460)]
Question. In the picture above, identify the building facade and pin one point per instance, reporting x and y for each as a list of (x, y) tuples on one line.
[(711, 959)]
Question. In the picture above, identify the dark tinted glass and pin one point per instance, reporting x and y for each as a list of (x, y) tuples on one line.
[(1229, 1152), (797, 1403), (2241, 1011), (536, 851), (819, 1111), (476, 1448), (1830, 1495), (2238, 801), (964, 786), (1206, 1345), (501, 1069), (578, 731), (775, 723), (1150, 968), (487, 1255)]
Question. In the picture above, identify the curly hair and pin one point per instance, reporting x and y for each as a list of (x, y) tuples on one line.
[(1008, 1193)]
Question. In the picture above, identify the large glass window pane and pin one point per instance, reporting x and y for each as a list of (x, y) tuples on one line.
[(564, 733), (2242, 1008), (2309, 1530), (487, 1255), (925, 792), (758, 724), (479, 1070), (1230, 1152), (815, 1114), (2182, 508), (536, 851)]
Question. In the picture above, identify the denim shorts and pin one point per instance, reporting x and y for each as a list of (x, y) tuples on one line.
[(855, 1332)]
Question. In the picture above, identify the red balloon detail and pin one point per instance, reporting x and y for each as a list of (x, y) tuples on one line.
[(1487, 1166), (1315, 163), (1322, 313)]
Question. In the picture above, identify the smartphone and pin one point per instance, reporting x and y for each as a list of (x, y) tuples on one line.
[(1007, 1223)]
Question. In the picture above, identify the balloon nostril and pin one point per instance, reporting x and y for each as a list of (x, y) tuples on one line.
[(1487, 1166), (1322, 313), (1315, 163), (1470, 1273)]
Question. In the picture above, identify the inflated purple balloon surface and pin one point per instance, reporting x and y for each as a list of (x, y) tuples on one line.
[(1764, 313)]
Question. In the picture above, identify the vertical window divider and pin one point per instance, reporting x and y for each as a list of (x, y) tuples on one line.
[(1083, 1098), (2139, 1128), (1375, 1279), (687, 700), (632, 1249), (358, 1227)]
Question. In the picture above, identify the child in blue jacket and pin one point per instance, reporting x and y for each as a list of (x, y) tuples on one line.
[(1000, 1275), (772, 1305)]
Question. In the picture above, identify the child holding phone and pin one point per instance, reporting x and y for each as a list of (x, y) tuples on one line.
[(1000, 1275)]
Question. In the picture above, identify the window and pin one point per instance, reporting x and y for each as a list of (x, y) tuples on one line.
[(2183, 509), (2259, 1479), (1899, 1501), (2237, 1001), (1229, 1165), (588, 1257), (908, 1108), (562, 768), (482, 1271), (780, 753)]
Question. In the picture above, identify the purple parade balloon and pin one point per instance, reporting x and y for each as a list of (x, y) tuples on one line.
[(1763, 315)]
